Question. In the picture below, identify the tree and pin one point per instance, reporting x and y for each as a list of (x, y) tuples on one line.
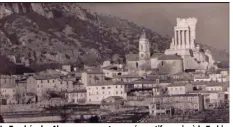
[(94, 119), (91, 57), (63, 111), (77, 121), (116, 58), (119, 59), (1, 119), (18, 98)]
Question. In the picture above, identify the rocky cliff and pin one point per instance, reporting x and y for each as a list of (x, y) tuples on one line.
[(46, 33), (7, 9)]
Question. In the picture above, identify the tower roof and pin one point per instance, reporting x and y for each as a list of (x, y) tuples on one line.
[(143, 35)]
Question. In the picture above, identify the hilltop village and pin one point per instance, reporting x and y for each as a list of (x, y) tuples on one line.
[(185, 79)]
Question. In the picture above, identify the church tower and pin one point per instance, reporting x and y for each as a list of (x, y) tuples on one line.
[(144, 47)]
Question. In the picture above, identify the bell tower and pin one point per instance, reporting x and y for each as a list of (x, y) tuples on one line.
[(144, 47)]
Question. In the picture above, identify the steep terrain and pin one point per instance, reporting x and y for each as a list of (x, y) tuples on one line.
[(58, 33)]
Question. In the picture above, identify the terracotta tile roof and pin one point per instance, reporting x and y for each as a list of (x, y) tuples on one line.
[(204, 92), (8, 85), (132, 57), (114, 68), (178, 84), (156, 55), (177, 95), (78, 83), (128, 76), (215, 84), (144, 81), (78, 91), (46, 77), (94, 71), (170, 57), (105, 83)]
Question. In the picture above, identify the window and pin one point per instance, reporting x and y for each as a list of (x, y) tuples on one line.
[(109, 92), (116, 86), (116, 92), (103, 88), (48, 81), (109, 87), (121, 86), (181, 88), (121, 92), (41, 81), (103, 92), (158, 106), (97, 93), (162, 63), (142, 55)]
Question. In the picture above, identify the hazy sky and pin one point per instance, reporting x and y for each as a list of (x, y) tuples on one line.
[(212, 26)]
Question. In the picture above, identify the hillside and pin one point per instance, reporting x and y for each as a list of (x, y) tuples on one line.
[(51, 33)]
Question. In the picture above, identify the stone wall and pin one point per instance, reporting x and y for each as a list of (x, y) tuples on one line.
[(19, 108), (171, 66)]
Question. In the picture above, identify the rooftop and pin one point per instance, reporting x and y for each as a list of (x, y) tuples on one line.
[(94, 71), (77, 91), (114, 68), (170, 57), (132, 57), (46, 77), (203, 92), (156, 55), (78, 83), (157, 72), (197, 73), (128, 76), (182, 74), (7, 77), (105, 83), (178, 84), (177, 95), (215, 84), (201, 77), (144, 81), (7, 86)]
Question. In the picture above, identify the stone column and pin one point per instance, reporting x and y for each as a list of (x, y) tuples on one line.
[(179, 39), (191, 39), (183, 39), (175, 39), (187, 39)]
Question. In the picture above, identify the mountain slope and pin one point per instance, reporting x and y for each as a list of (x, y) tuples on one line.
[(59, 33)]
